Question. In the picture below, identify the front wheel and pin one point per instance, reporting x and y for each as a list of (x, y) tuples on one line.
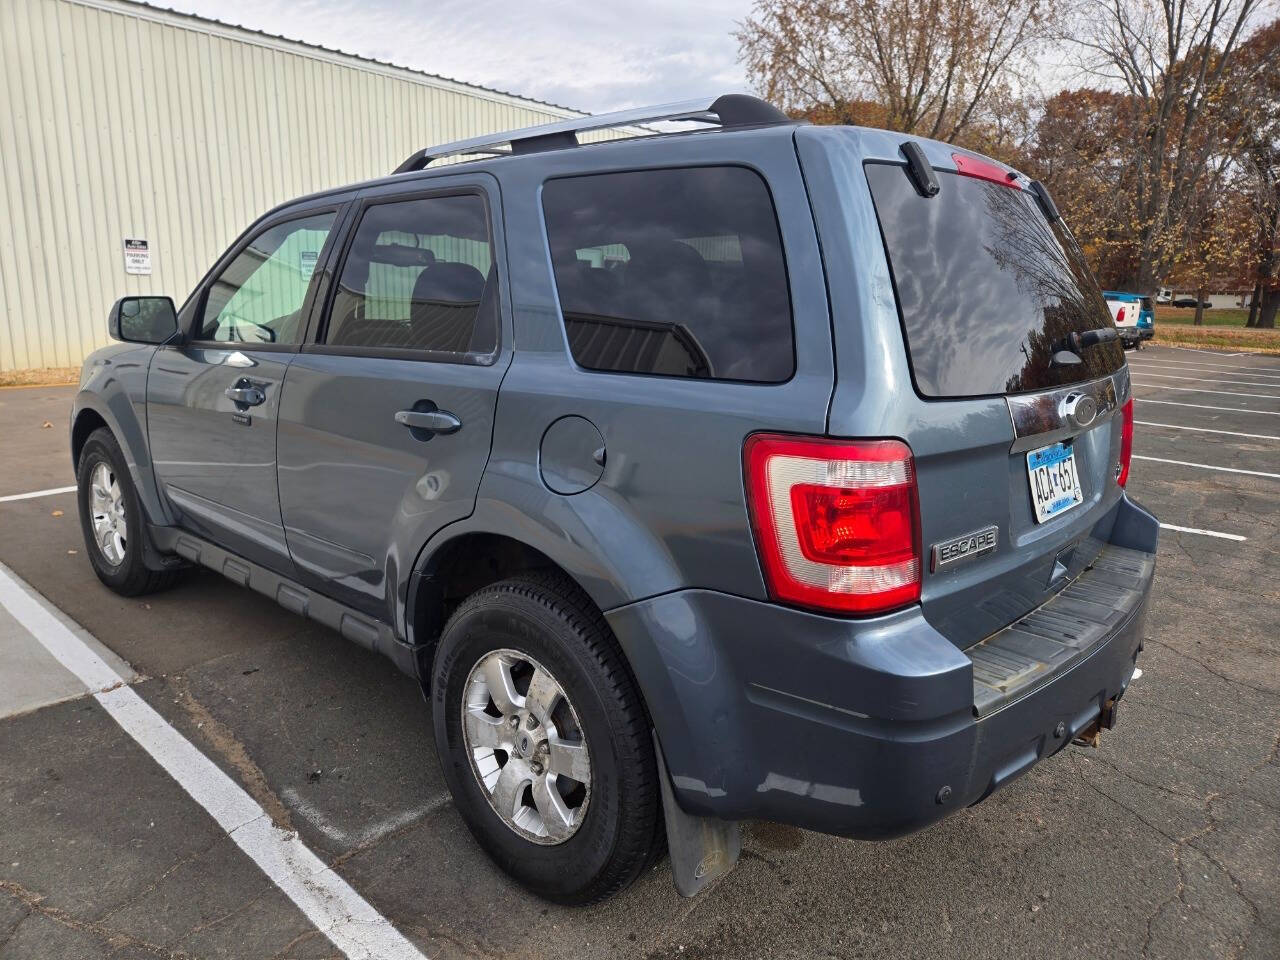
[(544, 739), (111, 519)]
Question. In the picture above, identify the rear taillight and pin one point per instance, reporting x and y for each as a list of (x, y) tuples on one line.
[(1120, 315), (1126, 442), (837, 523)]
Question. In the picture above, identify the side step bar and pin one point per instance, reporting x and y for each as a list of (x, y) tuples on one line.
[(1030, 651), (352, 624)]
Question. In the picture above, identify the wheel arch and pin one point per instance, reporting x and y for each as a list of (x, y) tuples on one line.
[(118, 413), (469, 555)]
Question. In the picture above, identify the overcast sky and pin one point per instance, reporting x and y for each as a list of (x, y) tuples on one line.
[(593, 56)]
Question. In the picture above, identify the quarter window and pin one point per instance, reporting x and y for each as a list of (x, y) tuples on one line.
[(258, 298), (419, 276), (673, 272)]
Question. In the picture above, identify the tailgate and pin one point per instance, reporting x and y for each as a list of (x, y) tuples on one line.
[(1018, 390)]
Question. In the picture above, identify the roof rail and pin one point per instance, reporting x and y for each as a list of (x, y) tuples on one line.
[(729, 110)]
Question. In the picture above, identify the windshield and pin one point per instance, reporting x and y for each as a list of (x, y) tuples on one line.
[(988, 289)]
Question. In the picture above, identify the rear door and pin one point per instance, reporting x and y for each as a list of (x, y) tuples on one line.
[(956, 336), (212, 401), (387, 417)]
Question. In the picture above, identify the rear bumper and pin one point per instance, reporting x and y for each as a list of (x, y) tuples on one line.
[(863, 728)]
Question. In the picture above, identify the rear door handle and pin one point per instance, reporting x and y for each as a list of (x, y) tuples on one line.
[(248, 396), (434, 421)]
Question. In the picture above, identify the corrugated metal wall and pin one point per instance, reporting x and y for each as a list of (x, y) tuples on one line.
[(119, 120)]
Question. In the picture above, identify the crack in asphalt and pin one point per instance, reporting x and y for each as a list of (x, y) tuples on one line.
[(1230, 681), (155, 884), (116, 939), (1212, 825), (223, 741)]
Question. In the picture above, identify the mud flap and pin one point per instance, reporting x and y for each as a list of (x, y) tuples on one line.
[(703, 849)]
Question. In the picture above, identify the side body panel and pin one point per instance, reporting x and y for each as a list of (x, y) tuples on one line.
[(113, 385), (669, 508), (359, 492), (214, 459)]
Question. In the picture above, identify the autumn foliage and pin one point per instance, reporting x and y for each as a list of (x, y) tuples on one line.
[(1163, 153)]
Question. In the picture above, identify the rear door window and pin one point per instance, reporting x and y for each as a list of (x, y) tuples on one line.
[(419, 275), (675, 272), (988, 289)]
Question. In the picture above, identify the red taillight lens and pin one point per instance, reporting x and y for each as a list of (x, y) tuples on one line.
[(1120, 318), (982, 170), (837, 523), (1126, 442)]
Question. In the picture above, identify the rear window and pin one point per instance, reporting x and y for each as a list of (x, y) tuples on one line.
[(673, 272), (988, 289)]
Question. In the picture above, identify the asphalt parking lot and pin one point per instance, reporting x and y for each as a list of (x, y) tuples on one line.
[(1164, 842)]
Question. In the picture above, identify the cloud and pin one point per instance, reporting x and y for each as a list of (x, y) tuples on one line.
[(596, 56)]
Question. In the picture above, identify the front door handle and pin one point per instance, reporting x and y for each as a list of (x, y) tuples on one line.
[(246, 396), (433, 421)]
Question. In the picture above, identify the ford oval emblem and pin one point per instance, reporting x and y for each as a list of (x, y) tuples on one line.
[(1079, 410)]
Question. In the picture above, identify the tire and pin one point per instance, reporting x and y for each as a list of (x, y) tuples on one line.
[(547, 619), (121, 565)]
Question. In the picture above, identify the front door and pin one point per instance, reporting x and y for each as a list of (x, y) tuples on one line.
[(386, 420), (212, 401)]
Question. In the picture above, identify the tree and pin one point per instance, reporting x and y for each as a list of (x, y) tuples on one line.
[(939, 68), (1171, 59), (1081, 150), (1258, 95)]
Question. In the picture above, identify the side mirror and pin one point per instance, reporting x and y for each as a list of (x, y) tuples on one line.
[(143, 319)]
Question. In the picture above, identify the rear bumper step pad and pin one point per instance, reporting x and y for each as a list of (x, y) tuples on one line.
[(1027, 653)]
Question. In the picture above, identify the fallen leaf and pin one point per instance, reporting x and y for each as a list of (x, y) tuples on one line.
[(56, 513), (72, 552), (46, 425)]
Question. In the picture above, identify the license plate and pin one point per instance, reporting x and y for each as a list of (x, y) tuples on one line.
[(1055, 485)]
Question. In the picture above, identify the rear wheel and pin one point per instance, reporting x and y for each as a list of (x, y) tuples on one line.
[(111, 519), (544, 740)]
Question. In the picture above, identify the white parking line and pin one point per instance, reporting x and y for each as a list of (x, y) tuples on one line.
[(1185, 365), (1221, 393), (1211, 354), (1205, 406), (1209, 466), (36, 493), (1229, 433), (1204, 533), (1174, 376), (328, 901)]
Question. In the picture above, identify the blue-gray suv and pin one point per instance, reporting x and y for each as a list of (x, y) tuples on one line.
[(764, 471)]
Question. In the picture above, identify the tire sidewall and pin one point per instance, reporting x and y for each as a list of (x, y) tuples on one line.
[(102, 448), (512, 621)]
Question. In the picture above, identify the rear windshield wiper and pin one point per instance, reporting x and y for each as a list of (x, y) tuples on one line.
[(1067, 352)]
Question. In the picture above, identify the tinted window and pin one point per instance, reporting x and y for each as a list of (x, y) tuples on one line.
[(258, 297), (673, 272), (987, 287), (419, 276)]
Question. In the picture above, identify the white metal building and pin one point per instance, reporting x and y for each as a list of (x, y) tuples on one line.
[(136, 143)]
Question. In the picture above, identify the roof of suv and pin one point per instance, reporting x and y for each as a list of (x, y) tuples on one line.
[(727, 112)]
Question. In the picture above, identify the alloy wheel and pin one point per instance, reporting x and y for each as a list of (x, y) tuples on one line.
[(526, 746)]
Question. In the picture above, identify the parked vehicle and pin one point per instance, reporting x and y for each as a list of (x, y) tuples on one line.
[(1164, 295), (1134, 316), (1192, 303), (775, 472)]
